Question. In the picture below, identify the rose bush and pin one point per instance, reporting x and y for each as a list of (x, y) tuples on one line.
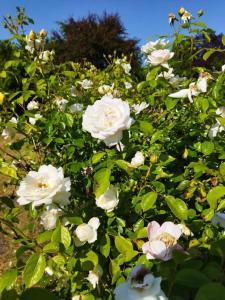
[(121, 177)]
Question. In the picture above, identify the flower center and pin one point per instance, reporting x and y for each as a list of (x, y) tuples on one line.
[(167, 239), (42, 185)]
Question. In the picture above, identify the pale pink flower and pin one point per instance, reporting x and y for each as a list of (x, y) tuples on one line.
[(162, 240)]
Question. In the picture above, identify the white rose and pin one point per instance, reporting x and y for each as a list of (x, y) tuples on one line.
[(137, 108), (47, 55), (156, 45), (49, 218), (94, 276), (167, 74), (106, 119), (13, 120), (32, 105), (61, 103), (76, 107), (105, 89), (126, 67), (49, 271), (109, 199), (160, 57), (86, 84), (45, 186), (223, 68), (87, 232), (217, 127), (137, 160), (128, 85), (141, 285), (33, 120)]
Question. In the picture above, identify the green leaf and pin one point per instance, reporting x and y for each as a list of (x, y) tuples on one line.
[(125, 247), (211, 291), (171, 103), (34, 269), (223, 40), (61, 235), (68, 119), (178, 207), (148, 200), (214, 195), (207, 148), (97, 157), (7, 279), (114, 270), (101, 181), (8, 170), (152, 74), (191, 278), (37, 294), (208, 54), (146, 128), (105, 245)]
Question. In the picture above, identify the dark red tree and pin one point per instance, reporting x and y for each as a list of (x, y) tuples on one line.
[(93, 38)]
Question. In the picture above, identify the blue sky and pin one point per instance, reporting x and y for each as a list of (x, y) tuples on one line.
[(143, 19)]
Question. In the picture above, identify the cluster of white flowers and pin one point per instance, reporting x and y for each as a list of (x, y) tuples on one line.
[(106, 119), (124, 64), (157, 53), (46, 56), (195, 88), (35, 41)]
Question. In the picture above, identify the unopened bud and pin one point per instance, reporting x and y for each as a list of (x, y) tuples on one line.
[(2, 96), (43, 33), (181, 11), (171, 18), (200, 12), (32, 35), (153, 158)]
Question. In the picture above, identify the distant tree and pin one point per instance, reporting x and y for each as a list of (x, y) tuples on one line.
[(93, 38)]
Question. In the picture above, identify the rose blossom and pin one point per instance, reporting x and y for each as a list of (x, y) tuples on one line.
[(137, 108), (87, 232), (109, 199), (140, 285), (76, 107), (217, 127), (95, 275), (32, 105), (33, 120), (137, 160), (45, 186), (162, 240), (49, 218), (106, 119), (160, 57), (156, 45), (86, 84)]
